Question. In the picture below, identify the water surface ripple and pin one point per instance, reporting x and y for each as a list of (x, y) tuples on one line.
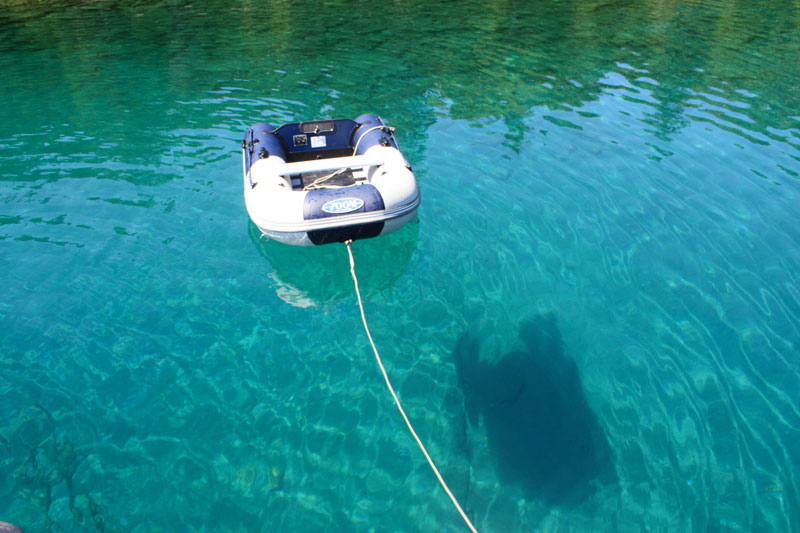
[(601, 286)]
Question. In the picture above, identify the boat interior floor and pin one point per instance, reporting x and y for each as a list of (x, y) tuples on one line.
[(324, 179)]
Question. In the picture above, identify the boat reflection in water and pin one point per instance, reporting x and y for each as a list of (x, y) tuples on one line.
[(320, 275)]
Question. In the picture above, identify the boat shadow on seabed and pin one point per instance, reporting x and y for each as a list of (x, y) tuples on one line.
[(539, 427)]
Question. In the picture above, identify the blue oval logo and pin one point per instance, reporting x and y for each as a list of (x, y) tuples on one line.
[(343, 205)]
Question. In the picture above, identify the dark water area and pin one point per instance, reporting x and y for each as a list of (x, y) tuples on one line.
[(593, 321), (538, 422)]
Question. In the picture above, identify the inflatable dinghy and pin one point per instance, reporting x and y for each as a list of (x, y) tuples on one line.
[(323, 181)]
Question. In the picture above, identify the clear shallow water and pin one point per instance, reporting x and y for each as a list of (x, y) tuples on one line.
[(609, 191)]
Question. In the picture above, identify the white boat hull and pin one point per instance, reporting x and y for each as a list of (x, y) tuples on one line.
[(380, 194)]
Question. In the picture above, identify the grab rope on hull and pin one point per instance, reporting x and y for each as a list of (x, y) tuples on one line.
[(397, 400)]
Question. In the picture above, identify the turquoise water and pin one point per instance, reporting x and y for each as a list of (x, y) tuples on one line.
[(593, 322)]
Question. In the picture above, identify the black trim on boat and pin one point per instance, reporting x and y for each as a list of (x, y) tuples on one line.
[(341, 234)]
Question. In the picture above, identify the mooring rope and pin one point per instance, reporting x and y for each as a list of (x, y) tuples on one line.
[(396, 399)]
